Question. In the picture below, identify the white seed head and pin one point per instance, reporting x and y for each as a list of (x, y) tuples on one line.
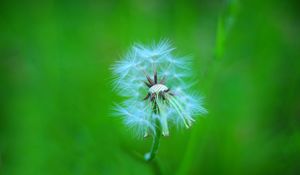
[(153, 76)]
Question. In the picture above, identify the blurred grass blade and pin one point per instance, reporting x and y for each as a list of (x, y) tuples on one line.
[(225, 23)]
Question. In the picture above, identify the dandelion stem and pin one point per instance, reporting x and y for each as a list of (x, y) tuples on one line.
[(151, 155)]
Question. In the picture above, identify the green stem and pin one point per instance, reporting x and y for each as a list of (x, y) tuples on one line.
[(151, 155)]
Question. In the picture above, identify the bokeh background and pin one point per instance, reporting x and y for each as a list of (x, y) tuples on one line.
[(56, 93)]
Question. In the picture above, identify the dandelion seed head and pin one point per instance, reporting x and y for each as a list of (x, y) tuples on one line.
[(153, 82)]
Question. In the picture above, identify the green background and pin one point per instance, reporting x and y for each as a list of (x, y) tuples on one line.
[(57, 98)]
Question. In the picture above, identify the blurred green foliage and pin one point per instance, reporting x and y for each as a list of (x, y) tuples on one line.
[(57, 98)]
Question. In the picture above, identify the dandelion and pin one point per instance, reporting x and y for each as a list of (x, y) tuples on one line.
[(153, 82)]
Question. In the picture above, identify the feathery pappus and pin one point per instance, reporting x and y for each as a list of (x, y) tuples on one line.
[(153, 82)]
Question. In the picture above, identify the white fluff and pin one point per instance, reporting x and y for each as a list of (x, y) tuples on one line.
[(130, 73)]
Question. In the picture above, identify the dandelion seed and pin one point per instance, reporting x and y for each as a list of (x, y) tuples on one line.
[(152, 79)]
